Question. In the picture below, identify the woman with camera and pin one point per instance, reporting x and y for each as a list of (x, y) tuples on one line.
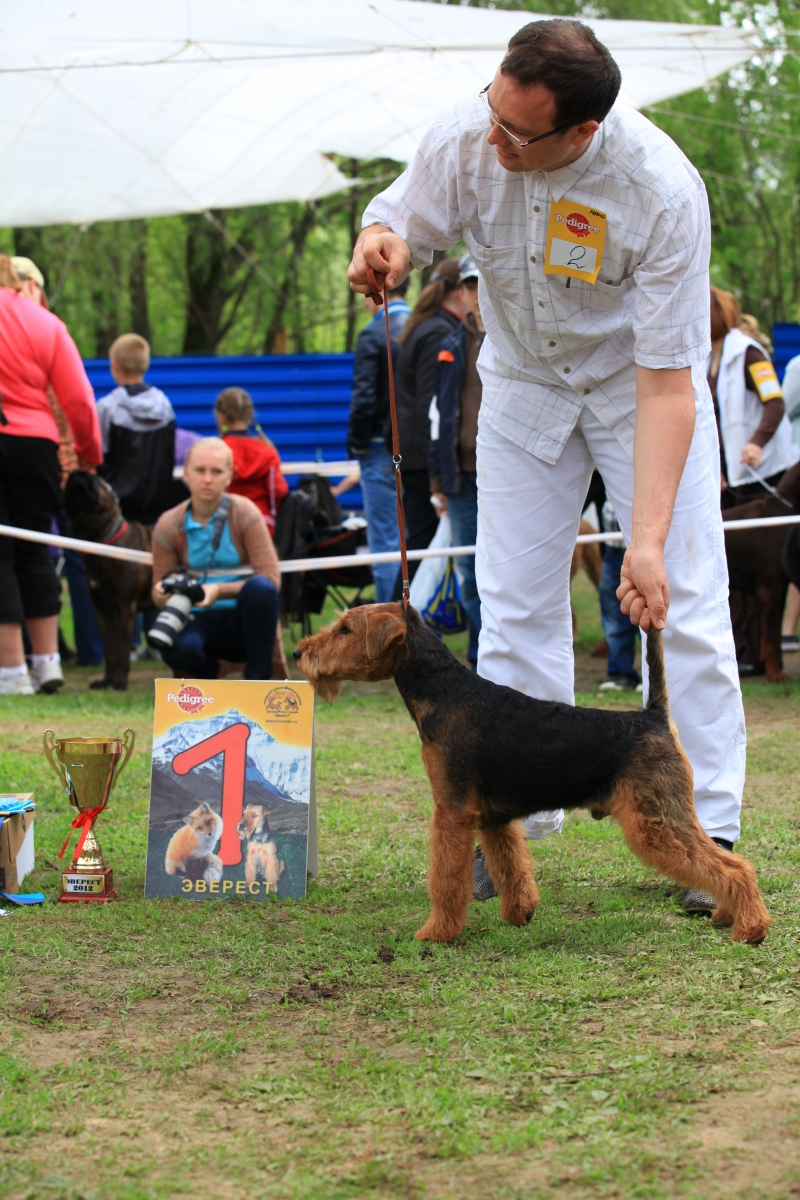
[(229, 619)]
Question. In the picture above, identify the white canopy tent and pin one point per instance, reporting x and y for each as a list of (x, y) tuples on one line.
[(118, 110)]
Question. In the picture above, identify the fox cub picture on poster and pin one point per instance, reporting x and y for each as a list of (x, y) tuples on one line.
[(232, 798)]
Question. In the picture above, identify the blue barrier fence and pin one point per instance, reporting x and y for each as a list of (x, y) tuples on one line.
[(302, 401), (786, 339)]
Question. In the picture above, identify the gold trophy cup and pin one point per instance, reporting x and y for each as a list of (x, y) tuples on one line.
[(88, 768)]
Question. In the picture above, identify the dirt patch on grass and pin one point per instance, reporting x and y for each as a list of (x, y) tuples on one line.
[(753, 1136)]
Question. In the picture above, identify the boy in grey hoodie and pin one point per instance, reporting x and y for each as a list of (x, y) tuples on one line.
[(137, 425)]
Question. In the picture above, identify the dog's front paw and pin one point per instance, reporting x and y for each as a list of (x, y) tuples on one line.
[(437, 931), (751, 929), (518, 908), (723, 916)]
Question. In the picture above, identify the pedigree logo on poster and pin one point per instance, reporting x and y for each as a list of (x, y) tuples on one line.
[(232, 789)]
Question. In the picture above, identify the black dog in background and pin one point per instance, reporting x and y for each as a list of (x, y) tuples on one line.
[(118, 589)]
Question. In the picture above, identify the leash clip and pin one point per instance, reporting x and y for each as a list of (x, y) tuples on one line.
[(397, 459)]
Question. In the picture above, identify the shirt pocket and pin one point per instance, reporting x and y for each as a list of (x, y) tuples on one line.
[(505, 274), (607, 297), (504, 269)]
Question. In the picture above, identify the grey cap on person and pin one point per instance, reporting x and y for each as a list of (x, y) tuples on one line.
[(467, 269)]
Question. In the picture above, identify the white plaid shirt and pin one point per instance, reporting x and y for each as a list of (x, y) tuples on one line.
[(551, 348)]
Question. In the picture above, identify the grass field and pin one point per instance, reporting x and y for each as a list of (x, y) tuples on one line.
[(290, 1051)]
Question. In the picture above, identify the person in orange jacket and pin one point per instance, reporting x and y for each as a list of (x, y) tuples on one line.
[(256, 463)]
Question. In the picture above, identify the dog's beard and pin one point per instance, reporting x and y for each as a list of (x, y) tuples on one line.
[(325, 687)]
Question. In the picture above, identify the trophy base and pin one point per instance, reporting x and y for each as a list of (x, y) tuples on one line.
[(85, 887)]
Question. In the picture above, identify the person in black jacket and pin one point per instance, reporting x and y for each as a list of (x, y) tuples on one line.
[(439, 310), (454, 434), (369, 411)]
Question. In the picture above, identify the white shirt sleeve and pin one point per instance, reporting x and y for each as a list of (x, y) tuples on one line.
[(672, 323), (422, 204)]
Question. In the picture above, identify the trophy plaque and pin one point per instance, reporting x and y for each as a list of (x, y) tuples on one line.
[(88, 767)]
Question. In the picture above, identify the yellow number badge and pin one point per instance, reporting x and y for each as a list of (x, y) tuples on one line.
[(765, 380), (575, 237)]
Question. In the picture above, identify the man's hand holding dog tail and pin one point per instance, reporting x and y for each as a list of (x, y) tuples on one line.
[(643, 592)]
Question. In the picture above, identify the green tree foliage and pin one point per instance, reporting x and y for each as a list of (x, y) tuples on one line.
[(272, 278)]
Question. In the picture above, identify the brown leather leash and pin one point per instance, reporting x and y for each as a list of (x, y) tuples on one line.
[(380, 295)]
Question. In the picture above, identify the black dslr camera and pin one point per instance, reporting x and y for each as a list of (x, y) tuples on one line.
[(184, 591)]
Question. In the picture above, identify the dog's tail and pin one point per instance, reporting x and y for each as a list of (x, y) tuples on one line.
[(657, 697)]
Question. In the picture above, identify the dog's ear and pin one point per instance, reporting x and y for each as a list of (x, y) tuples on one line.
[(383, 631)]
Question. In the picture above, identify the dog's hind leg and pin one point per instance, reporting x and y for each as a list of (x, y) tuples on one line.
[(665, 834), (508, 859), (450, 880)]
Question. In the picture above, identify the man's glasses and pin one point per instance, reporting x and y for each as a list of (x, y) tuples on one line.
[(513, 137)]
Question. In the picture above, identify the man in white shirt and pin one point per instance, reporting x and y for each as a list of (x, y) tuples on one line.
[(591, 233)]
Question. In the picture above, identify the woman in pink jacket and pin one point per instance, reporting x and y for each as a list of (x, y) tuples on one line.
[(35, 350)]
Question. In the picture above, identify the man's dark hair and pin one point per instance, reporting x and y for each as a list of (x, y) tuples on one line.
[(400, 289), (566, 57)]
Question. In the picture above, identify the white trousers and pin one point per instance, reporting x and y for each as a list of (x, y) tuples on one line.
[(528, 519)]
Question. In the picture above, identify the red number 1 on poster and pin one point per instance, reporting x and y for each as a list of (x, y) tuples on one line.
[(231, 743)]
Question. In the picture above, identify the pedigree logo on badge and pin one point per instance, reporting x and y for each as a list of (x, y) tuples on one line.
[(578, 224), (575, 239)]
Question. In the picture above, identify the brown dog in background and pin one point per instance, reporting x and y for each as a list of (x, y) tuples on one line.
[(587, 557), (755, 564), (118, 590), (494, 755)]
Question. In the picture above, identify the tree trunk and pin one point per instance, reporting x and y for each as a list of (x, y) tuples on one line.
[(300, 230), (206, 262), (137, 280)]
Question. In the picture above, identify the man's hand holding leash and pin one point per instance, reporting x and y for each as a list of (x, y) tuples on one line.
[(385, 252)]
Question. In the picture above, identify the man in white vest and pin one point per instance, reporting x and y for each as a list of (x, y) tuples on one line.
[(591, 233)]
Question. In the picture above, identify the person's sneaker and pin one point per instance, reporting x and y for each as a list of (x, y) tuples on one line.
[(697, 904), (16, 685), (482, 886), (790, 643), (47, 677), (618, 683)]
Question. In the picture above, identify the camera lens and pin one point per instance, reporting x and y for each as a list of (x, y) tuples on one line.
[(172, 620)]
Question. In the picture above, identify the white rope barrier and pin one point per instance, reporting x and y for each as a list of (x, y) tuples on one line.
[(66, 543), (312, 467), (332, 562)]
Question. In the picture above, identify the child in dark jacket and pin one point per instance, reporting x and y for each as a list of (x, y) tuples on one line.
[(256, 463)]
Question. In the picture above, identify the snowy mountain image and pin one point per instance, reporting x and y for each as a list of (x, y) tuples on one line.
[(285, 770)]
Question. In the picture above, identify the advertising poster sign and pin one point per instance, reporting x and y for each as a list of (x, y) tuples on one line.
[(232, 803)]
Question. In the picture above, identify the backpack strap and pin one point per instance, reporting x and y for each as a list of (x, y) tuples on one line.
[(220, 517)]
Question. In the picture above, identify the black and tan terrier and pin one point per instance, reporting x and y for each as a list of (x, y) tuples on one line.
[(494, 756), (262, 863)]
